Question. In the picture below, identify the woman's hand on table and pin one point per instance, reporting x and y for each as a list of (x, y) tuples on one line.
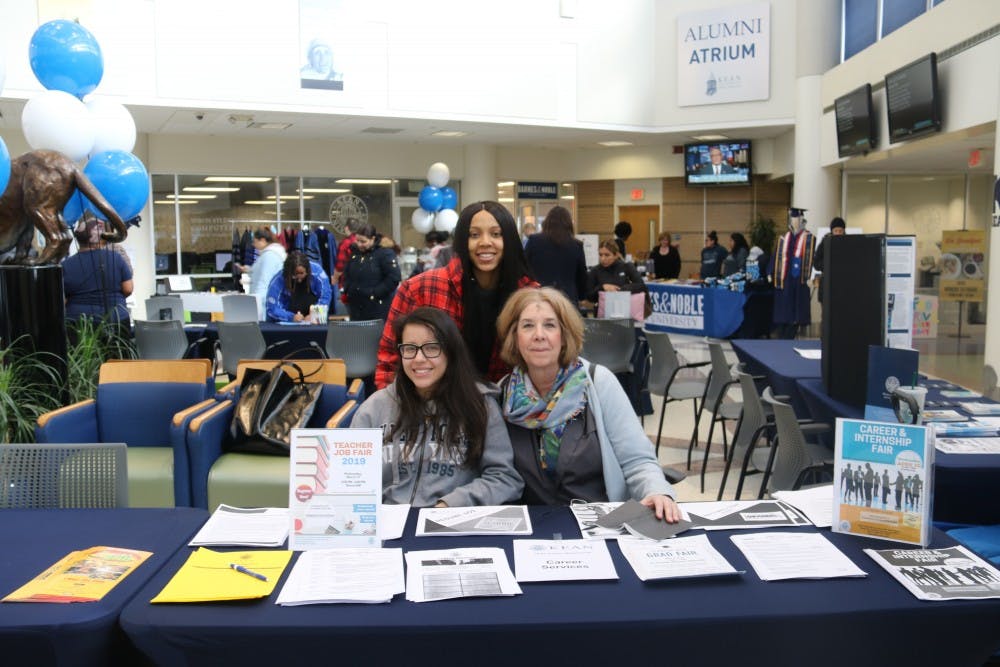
[(664, 506)]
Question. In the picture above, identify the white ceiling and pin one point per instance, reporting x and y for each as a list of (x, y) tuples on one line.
[(943, 153)]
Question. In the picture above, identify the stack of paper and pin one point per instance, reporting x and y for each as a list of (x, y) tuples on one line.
[(943, 416), (81, 576), (482, 520), (212, 576), (588, 515), (980, 408), (679, 558), (562, 560), (973, 428), (244, 527), (735, 514), (458, 573), (960, 393), (364, 575), (816, 503), (952, 573), (968, 445), (795, 556)]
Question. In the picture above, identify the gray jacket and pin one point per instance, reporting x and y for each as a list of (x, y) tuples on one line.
[(630, 466), (430, 473)]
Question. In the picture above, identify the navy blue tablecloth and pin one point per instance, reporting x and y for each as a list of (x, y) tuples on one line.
[(780, 365), (721, 621), (699, 311), (964, 484), (83, 633)]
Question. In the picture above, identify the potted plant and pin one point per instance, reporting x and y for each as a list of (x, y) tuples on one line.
[(763, 232), (28, 388), (92, 342)]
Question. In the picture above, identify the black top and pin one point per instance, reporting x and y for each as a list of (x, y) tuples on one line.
[(559, 265), (301, 298), (622, 274), (668, 266), (484, 306)]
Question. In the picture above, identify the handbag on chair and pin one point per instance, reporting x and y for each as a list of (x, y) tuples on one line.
[(270, 405)]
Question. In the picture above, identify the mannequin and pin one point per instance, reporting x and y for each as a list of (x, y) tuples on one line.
[(792, 266)]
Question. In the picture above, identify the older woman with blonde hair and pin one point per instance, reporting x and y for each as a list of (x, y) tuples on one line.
[(573, 430)]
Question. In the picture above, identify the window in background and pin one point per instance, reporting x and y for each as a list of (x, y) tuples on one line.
[(896, 13), (860, 26)]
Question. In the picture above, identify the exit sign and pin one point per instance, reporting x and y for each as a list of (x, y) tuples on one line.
[(638, 194)]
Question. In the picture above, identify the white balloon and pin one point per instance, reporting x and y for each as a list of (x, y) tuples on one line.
[(423, 221), (114, 129), (445, 220), (57, 121), (438, 174), (3, 70)]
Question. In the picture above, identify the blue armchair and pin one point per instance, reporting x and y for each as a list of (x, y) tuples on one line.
[(136, 403), (258, 480)]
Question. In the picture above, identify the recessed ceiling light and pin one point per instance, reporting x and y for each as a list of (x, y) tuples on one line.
[(505, 200), (567, 185), (174, 201), (191, 196), (874, 180), (238, 179), (613, 144), (567, 197), (505, 184), (196, 188), (289, 198), (364, 181), (449, 133), (709, 137), (259, 202), (269, 125), (382, 130), (325, 190)]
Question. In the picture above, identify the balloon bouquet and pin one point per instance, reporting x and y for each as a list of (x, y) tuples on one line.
[(437, 202), (67, 61)]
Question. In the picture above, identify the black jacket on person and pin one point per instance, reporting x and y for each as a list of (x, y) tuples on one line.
[(370, 280), (559, 265), (711, 261), (666, 267), (621, 274)]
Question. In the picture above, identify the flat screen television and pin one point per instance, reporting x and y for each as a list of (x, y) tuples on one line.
[(717, 163), (912, 100), (856, 125)]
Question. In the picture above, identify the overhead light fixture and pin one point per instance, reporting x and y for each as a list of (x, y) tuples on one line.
[(709, 137), (324, 191), (240, 118), (269, 125), (260, 202), (505, 184), (874, 180), (174, 201), (928, 178), (449, 133), (505, 200), (197, 188), (567, 197), (567, 185), (191, 196), (289, 198), (238, 179), (614, 144), (365, 181)]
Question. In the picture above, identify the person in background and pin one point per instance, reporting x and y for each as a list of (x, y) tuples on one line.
[(488, 267), (270, 258), (736, 260), (837, 228), (666, 258), (444, 440), (300, 285), (556, 256), (612, 274), (343, 254), (716, 165), (97, 279), (712, 256), (623, 230), (527, 230), (371, 276), (573, 430)]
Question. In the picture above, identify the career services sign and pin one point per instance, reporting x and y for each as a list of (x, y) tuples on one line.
[(724, 55)]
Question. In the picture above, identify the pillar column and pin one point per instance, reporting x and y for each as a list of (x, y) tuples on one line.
[(991, 351), (479, 178)]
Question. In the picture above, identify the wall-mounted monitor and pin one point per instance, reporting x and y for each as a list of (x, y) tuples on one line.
[(717, 163), (912, 100), (856, 124)]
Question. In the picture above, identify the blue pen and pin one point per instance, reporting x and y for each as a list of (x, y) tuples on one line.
[(240, 568)]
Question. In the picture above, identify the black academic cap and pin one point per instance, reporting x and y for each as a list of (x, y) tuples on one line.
[(796, 212)]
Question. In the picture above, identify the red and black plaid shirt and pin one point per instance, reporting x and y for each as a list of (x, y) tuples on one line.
[(438, 288)]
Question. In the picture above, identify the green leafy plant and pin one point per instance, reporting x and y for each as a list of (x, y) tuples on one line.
[(91, 343), (763, 232), (29, 387)]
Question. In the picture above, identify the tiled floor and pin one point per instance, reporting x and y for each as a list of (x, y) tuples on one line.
[(953, 359)]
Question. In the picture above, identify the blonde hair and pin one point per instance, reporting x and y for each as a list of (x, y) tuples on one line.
[(570, 324)]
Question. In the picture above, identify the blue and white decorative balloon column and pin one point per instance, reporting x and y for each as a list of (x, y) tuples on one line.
[(437, 202)]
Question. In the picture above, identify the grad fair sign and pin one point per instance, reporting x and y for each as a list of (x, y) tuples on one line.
[(724, 55)]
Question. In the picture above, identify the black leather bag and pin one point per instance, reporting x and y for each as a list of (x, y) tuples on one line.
[(270, 405)]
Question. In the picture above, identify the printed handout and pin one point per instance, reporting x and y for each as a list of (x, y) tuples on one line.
[(244, 527), (562, 560), (458, 573), (483, 520), (777, 556), (677, 558), (952, 573), (360, 575), (968, 445)]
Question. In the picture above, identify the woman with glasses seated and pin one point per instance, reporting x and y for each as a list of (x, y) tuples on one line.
[(444, 440), (574, 433)]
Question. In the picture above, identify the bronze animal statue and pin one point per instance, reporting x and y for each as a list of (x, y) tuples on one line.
[(41, 182)]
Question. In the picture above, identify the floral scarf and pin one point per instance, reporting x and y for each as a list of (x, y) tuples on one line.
[(549, 414)]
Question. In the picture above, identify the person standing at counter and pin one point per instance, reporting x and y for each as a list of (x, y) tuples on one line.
[(712, 256), (300, 285), (271, 257), (371, 276), (612, 274), (666, 258), (488, 267), (736, 260), (556, 256)]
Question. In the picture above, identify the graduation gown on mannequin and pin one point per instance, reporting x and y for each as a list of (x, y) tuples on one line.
[(792, 267)]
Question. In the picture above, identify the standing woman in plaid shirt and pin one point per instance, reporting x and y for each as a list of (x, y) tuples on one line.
[(488, 266)]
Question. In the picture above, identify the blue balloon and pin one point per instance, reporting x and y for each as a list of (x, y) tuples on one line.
[(65, 56), (73, 210), (448, 198), (122, 179), (430, 198), (4, 166)]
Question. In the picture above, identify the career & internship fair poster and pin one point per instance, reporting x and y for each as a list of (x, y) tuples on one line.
[(724, 55), (336, 488), (883, 477)]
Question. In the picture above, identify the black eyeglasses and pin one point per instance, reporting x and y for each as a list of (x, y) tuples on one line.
[(409, 350)]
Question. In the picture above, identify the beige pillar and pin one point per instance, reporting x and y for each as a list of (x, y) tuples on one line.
[(479, 178)]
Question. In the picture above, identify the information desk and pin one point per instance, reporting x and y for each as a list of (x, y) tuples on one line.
[(293, 338), (690, 309), (720, 621), (964, 484), (83, 633)]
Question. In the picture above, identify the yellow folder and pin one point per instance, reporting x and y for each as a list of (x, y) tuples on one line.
[(209, 576)]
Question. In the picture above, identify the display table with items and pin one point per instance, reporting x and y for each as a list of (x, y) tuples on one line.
[(79, 633), (780, 364), (736, 619), (695, 310)]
